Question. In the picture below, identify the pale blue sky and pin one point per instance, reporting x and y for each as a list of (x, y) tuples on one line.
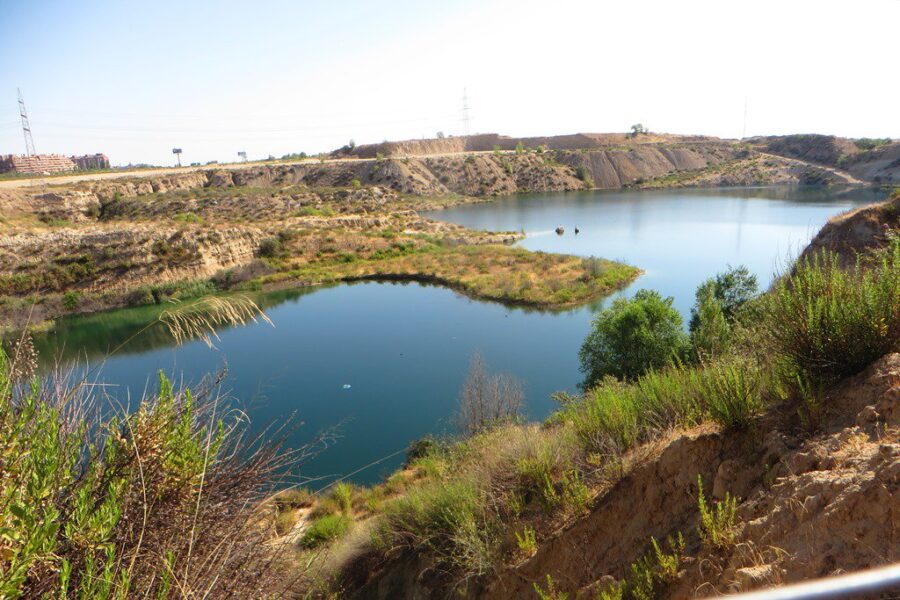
[(134, 79)]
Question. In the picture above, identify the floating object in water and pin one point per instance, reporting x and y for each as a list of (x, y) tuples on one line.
[(576, 231), (346, 386), (560, 230)]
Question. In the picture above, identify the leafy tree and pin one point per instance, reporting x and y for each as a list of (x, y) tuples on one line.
[(637, 129), (632, 337), (711, 333), (732, 289)]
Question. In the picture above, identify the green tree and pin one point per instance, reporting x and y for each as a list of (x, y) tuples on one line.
[(711, 333), (637, 129), (632, 337), (732, 289)]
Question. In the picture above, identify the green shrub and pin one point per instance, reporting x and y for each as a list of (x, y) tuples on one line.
[(732, 289), (731, 393), (448, 518), (610, 420), (325, 529), (355, 183), (652, 571), (710, 332), (86, 494), (827, 322), (632, 337), (342, 493), (188, 218), (550, 593), (527, 540), (718, 523), (70, 300), (584, 175), (271, 247), (614, 416)]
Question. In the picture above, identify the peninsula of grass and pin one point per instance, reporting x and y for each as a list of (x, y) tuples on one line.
[(491, 271)]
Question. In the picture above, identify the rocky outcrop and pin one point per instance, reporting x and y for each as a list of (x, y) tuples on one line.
[(480, 175), (858, 231), (121, 257)]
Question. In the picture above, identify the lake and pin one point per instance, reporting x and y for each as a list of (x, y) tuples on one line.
[(385, 361)]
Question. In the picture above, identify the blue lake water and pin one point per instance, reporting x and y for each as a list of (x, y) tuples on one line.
[(404, 349)]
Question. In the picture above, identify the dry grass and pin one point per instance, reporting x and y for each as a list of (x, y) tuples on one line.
[(495, 272), (201, 318)]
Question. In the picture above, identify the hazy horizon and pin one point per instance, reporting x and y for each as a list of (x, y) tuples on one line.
[(134, 80)]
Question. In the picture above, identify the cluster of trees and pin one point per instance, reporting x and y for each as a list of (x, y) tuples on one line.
[(646, 332)]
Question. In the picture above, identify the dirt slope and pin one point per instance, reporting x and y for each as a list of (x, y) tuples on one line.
[(807, 507), (487, 142), (880, 164), (858, 231)]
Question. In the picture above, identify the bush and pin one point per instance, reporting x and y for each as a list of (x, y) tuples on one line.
[(826, 322), (96, 505), (632, 337), (614, 416), (419, 448), (70, 300), (731, 289), (710, 332), (731, 394), (448, 518), (342, 493), (717, 523), (271, 247), (325, 529), (584, 175)]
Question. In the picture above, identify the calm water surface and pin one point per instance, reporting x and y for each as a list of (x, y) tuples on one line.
[(404, 349)]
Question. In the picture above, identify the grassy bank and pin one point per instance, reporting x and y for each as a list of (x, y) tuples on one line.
[(491, 272)]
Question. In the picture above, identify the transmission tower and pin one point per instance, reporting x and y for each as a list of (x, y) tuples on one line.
[(744, 135), (465, 118), (26, 128)]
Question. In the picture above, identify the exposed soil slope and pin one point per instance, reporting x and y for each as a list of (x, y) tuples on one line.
[(878, 164), (487, 142), (858, 231), (808, 507)]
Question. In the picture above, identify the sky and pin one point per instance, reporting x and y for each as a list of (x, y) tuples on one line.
[(135, 79)]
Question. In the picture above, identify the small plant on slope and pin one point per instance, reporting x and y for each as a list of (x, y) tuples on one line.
[(718, 523)]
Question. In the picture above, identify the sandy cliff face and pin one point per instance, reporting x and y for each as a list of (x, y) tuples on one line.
[(861, 230), (122, 256)]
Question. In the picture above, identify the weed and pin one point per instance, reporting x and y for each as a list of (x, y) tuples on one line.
[(527, 540), (732, 393), (718, 523), (550, 593), (342, 493), (70, 300), (828, 322), (325, 529)]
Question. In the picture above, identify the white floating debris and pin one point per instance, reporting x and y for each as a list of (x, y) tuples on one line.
[(346, 386)]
